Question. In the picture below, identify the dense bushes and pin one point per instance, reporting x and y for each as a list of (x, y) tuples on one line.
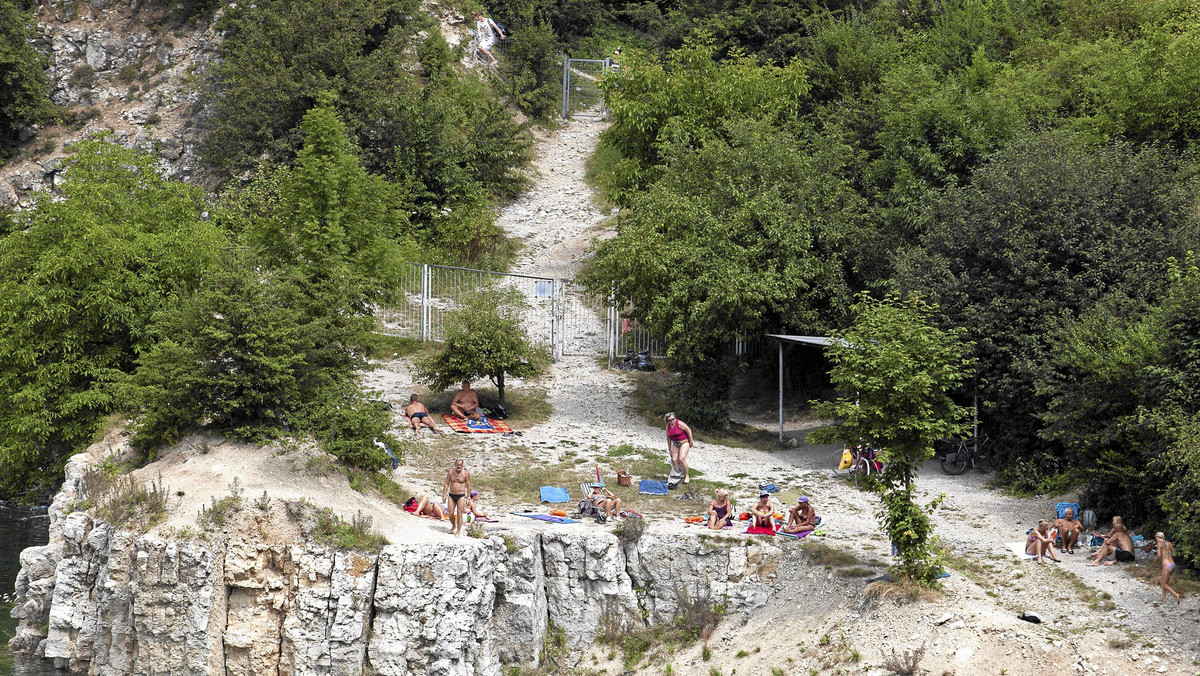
[(24, 89), (445, 139)]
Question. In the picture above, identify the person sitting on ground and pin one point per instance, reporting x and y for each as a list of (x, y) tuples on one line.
[(802, 518), (1041, 543), (605, 501), (1069, 529), (424, 507), (1117, 543), (419, 415), (474, 508), (720, 511), (466, 403), (1166, 552), (763, 513), (484, 27)]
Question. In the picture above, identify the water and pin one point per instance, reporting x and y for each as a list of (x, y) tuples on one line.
[(19, 528)]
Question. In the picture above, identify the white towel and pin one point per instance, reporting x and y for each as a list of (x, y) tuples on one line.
[(1018, 548)]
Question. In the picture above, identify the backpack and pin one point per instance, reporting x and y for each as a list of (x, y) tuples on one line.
[(1088, 518)]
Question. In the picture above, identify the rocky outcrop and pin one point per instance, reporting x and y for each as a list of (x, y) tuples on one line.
[(102, 601), (114, 68)]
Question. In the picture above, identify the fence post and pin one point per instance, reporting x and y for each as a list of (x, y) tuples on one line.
[(424, 302), (553, 319), (566, 84)]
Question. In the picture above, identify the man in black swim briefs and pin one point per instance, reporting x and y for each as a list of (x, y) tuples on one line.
[(457, 487), (419, 415)]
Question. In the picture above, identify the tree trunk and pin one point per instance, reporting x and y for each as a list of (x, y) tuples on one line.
[(500, 386)]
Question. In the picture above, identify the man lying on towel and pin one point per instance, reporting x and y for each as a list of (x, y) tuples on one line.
[(466, 403)]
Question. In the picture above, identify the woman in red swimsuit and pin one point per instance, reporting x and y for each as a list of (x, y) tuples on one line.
[(679, 443)]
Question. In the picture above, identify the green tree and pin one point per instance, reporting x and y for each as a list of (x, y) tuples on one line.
[(24, 89), (1043, 232), (80, 280), (737, 238), (484, 338), (898, 372)]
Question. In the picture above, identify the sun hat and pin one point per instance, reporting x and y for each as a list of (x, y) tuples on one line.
[(764, 494), (474, 494), (803, 499)]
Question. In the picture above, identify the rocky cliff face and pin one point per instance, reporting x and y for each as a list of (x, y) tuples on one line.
[(126, 67), (102, 601)]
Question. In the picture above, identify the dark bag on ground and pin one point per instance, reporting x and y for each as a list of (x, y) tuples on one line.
[(498, 412)]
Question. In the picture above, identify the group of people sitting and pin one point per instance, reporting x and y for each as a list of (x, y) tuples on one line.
[(465, 405), (801, 519), (1117, 543)]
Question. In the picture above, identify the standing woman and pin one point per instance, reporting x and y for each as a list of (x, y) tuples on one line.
[(679, 444)]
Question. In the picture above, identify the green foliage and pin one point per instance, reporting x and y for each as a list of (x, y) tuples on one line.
[(1044, 231), (533, 70), (898, 371), (356, 534), (79, 284), (447, 142), (1123, 400), (24, 88), (738, 237), (687, 100), (274, 338), (484, 338)]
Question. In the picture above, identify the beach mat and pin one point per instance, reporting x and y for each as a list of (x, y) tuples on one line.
[(797, 536), (652, 487), (545, 517), (482, 426), (1018, 548), (555, 494)]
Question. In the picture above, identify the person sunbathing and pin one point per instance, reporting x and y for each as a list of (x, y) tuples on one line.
[(474, 508), (425, 507), (1041, 543), (1117, 543), (1166, 552), (466, 403), (802, 518), (1069, 529), (419, 415), (720, 511), (605, 501), (763, 513)]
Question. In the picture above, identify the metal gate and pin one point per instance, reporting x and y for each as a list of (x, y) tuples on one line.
[(581, 95)]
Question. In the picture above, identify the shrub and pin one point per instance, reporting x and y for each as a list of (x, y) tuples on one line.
[(25, 96), (358, 533)]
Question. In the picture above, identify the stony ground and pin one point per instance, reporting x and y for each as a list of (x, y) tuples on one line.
[(820, 622)]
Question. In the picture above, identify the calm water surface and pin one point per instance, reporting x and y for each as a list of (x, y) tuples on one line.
[(19, 528)]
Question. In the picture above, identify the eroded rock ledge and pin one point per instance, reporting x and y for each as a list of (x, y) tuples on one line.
[(103, 601)]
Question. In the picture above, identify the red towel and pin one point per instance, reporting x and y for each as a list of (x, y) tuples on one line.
[(760, 530)]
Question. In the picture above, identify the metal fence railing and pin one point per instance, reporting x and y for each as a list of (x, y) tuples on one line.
[(581, 93), (562, 314)]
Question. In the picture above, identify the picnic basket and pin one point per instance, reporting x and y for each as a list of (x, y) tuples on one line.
[(624, 478)]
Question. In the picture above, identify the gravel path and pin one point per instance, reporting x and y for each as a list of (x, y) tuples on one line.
[(557, 220)]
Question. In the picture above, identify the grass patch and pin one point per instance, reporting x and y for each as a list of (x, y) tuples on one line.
[(600, 167), (383, 346), (823, 555), (900, 590), (654, 396), (358, 533), (1149, 572), (1096, 600), (695, 619)]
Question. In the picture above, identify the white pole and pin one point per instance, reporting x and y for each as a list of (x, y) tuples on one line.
[(781, 391)]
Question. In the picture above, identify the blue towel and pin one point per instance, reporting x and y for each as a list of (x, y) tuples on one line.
[(555, 494), (652, 487)]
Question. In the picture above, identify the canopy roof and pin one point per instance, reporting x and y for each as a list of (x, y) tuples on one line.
[(811, 340)]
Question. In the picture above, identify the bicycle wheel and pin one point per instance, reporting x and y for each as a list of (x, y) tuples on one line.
[(956, 463), (837, 465)]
